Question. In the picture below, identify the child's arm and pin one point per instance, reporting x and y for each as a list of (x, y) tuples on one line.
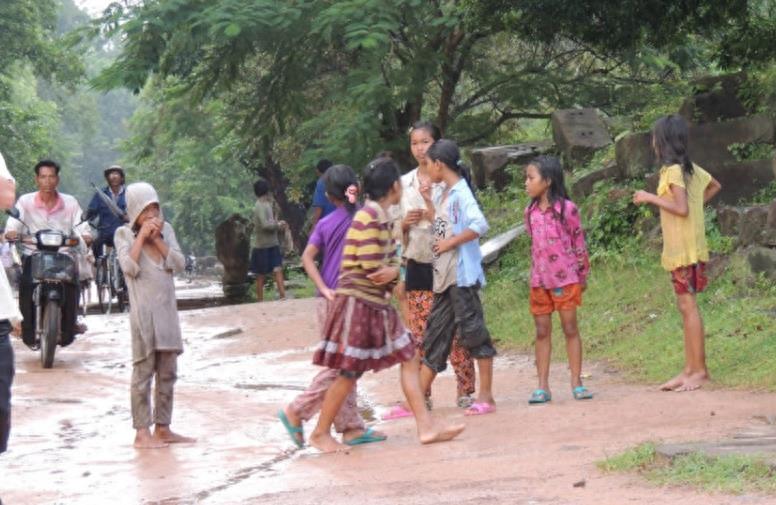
[(678, 205), (169, 248), (128, 250), (711, 190), (264, 221), (308, 261), (577, 235)]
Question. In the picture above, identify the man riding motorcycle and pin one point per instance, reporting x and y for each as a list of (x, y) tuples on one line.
[(108, 222), (44, 209)]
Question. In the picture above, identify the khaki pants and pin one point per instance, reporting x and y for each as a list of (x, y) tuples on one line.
[(162, 365)]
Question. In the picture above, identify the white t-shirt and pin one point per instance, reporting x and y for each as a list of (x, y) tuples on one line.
[(9, 309)]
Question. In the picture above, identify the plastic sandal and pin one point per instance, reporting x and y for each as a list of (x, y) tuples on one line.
[(366, 438), (480, 409), (581, 393), (292, 430), (397, 412), (539, 396)]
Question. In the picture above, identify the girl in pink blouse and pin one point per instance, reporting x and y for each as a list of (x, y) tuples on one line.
[(559, 270)]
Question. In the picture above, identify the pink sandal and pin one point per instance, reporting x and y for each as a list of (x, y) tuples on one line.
[(397, 412), (479, 409)]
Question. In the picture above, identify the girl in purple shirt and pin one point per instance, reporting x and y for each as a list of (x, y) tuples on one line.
[(559, 270), (328, 239)]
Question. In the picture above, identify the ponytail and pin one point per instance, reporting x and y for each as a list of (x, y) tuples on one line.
[(446, 151)]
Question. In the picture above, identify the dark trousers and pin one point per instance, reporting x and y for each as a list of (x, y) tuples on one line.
[(6, 379), (27, 308)]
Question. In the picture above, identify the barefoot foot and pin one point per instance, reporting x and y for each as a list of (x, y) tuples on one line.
[(165, 434), (326, 443), (674, 383), (440, 432), (144, 440), (693, 381)]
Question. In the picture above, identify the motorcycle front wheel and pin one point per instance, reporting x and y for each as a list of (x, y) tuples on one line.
[(48, 342)]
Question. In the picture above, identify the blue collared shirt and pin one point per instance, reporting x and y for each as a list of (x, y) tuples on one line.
[(465, 214)]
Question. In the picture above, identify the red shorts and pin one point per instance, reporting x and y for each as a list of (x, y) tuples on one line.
[(690, 279), (546, 301)]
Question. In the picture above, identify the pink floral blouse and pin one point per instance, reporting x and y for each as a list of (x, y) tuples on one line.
[(558, 252)]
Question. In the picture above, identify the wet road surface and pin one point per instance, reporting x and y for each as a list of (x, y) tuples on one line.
[(72, 436)]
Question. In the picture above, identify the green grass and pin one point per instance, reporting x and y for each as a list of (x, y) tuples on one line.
[(629, 318), (726, 474)]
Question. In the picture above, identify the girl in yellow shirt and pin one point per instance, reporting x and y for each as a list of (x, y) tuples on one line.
[(681, 193)]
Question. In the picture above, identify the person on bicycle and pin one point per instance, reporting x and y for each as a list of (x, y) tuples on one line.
[(108, 221), (44, 209)]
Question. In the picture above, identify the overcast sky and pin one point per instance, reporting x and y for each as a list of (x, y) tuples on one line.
[(93, 7)]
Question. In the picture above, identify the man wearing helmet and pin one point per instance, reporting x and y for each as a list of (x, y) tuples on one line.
[(109, 222)]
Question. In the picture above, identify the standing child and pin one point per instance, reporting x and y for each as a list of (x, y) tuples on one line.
[(328, 239), (149, 254), (362, 330), (458, 277), (681, 193), (559, 270), (265, 257)]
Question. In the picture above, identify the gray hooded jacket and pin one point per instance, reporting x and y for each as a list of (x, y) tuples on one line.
[(153, 312)]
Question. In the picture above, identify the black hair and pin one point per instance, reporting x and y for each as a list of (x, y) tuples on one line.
[(551, 170), (260, 188), (671, 136), (322, 166), (337, 180), (379, 177), (430, 127), (46, 163), (446, 151), (384, 154)]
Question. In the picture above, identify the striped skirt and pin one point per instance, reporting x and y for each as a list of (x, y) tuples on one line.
[(359, 336)]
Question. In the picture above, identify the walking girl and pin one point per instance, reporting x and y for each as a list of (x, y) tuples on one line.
[(682, 191), (328, 240), (559, 270), (362, 330)]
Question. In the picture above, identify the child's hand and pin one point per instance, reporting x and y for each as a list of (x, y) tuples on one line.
[(425, 191), (412, 218), (16, 328), (444, 245), (147, 229), (384, 275), (282, 225), (328, 294), (640, 197)]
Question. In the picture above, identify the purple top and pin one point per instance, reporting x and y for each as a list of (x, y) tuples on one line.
[(329, 237)]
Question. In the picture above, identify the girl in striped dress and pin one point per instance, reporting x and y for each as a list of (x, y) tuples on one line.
[(362, 330)]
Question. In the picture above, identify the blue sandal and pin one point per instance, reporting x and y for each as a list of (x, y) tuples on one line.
[(581, 393), (539, 396), (366, 438), (292, 430)]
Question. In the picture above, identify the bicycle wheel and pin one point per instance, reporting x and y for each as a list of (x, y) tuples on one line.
[(102, 282)]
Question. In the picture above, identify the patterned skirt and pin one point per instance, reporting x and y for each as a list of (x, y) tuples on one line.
[(359, 336)]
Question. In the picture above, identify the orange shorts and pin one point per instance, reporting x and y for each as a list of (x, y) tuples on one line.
[(545, 301)]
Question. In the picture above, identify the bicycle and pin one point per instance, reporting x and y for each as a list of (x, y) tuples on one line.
[(110, 282)]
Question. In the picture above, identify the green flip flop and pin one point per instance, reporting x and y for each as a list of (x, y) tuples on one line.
[(291, 429), (539, 396), (581, 393), (366, 438)]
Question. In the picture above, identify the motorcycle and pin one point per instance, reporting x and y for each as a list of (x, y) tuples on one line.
[(52, 269)]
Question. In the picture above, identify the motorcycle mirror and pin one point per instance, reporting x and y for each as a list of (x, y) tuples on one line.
[(13, 212)]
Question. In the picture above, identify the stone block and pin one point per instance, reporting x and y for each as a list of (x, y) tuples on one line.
[(741, 180), (752, 225), (729, 220), (579, 133), (584, 186), (763, 260), (233, 246), (709, 144), (489, 163), (716, 99)]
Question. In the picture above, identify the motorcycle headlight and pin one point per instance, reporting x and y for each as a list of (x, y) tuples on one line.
[(50, 239)]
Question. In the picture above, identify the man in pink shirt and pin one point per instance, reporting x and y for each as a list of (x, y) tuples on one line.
[(46, 208)]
